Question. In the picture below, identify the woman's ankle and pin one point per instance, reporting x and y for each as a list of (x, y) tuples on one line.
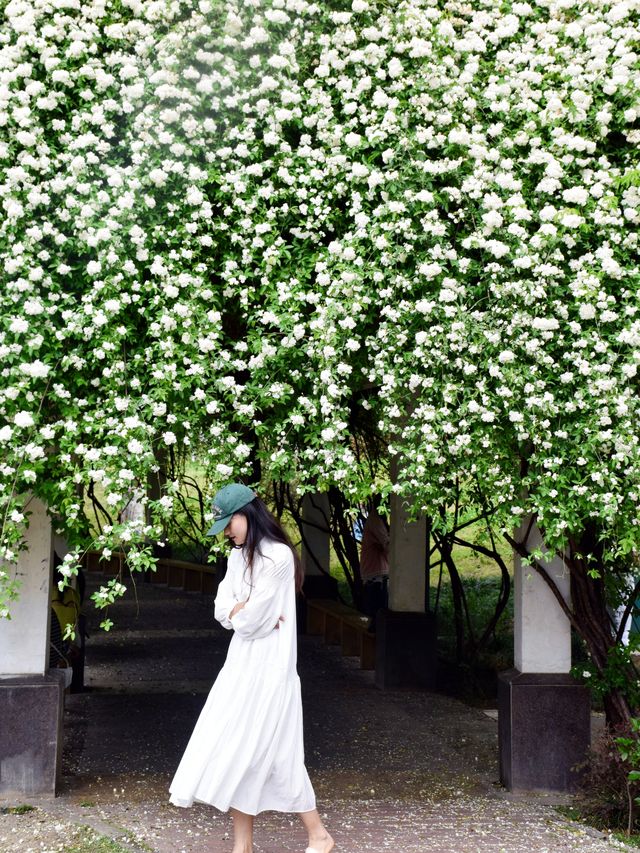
[(319, 839)]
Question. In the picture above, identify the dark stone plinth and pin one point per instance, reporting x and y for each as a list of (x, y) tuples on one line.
[(320, 586), (544, 725), (314, 586), (31, 710), (406, 649)]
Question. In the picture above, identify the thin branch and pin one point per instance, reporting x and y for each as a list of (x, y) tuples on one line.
[(627, 612), (521, 549)]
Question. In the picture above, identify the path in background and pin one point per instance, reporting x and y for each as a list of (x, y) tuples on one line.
[(401, 771)]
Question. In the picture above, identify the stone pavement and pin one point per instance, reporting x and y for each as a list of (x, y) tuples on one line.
[(402, 771)]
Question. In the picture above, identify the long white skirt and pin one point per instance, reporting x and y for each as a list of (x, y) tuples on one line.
[(246, 751)]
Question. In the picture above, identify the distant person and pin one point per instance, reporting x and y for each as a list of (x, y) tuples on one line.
[(65, 610), (374, 563), (246, 752)]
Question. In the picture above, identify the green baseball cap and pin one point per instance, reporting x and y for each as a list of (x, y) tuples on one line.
[(228, 500)]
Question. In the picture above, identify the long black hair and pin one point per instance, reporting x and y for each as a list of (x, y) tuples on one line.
[(262, 524)]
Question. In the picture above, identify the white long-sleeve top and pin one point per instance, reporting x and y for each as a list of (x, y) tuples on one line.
[(264, 591)]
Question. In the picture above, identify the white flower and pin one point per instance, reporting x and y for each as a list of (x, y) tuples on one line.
[(23, 419), (18, 324), (5, 434), (276, 16), (545, 324), (194, 196), (394, 69), (492, 219), (447, 295), (353, 140), (33, 307), (169, 437), (571, 220), (430, 270), (586, 312), (497, 248), (36, 369), (576, 195), (135, 447), (34, 451)]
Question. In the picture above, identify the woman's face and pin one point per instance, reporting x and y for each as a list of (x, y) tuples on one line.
[(236, 530)]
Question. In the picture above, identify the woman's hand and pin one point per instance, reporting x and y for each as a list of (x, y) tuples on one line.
[(237, 609)]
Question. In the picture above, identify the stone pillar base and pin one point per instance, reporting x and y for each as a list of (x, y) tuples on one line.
[(544, 730), (31, 709), (320, 586), (406, 649), (314, 586)]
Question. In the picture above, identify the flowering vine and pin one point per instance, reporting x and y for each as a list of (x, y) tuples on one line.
[(238, 230)]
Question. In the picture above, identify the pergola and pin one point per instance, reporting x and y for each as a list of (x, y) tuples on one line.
[(544, 715)]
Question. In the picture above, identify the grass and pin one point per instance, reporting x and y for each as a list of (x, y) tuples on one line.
[(21, 809), (574, 813), (481, 592), (86, 840), (481, 578)]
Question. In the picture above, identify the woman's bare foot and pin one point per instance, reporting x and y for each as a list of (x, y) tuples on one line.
[(320, 843)]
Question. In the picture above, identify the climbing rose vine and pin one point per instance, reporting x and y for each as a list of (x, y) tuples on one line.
[(240, 230)]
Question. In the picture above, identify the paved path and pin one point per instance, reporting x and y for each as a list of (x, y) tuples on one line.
[(396, 771)]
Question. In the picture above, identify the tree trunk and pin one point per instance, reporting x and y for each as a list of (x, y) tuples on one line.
[(593, 622)]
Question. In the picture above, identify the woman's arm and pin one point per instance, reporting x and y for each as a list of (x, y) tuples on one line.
[(225, 601), (261, 613)]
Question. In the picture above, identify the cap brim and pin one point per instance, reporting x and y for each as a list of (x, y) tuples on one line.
[(219, 525)]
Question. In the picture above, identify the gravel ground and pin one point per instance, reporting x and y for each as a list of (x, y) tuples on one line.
[(405, 771)]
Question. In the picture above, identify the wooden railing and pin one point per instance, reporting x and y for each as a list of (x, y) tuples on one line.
[(174, 574), (342, 626)]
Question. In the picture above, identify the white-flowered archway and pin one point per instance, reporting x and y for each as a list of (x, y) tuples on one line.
[(237, 235)]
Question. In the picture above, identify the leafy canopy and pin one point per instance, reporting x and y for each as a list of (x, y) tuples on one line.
[(243, 228)]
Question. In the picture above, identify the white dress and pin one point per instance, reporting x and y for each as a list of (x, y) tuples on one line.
[(246, 751)]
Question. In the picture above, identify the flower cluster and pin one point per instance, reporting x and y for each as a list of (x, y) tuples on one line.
[(241, 230)]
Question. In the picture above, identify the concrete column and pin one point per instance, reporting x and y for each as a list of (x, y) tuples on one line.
[(544, 715), (24, 639), (405, 633), (542, 632), (315, 534), (407, 560), (316, 554), (31, 696)]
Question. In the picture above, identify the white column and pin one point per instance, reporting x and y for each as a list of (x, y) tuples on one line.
[(24, 639), (316, 542), (542, 632), (407, 560)]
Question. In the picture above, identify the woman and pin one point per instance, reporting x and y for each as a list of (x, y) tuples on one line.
[(246, 751)]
